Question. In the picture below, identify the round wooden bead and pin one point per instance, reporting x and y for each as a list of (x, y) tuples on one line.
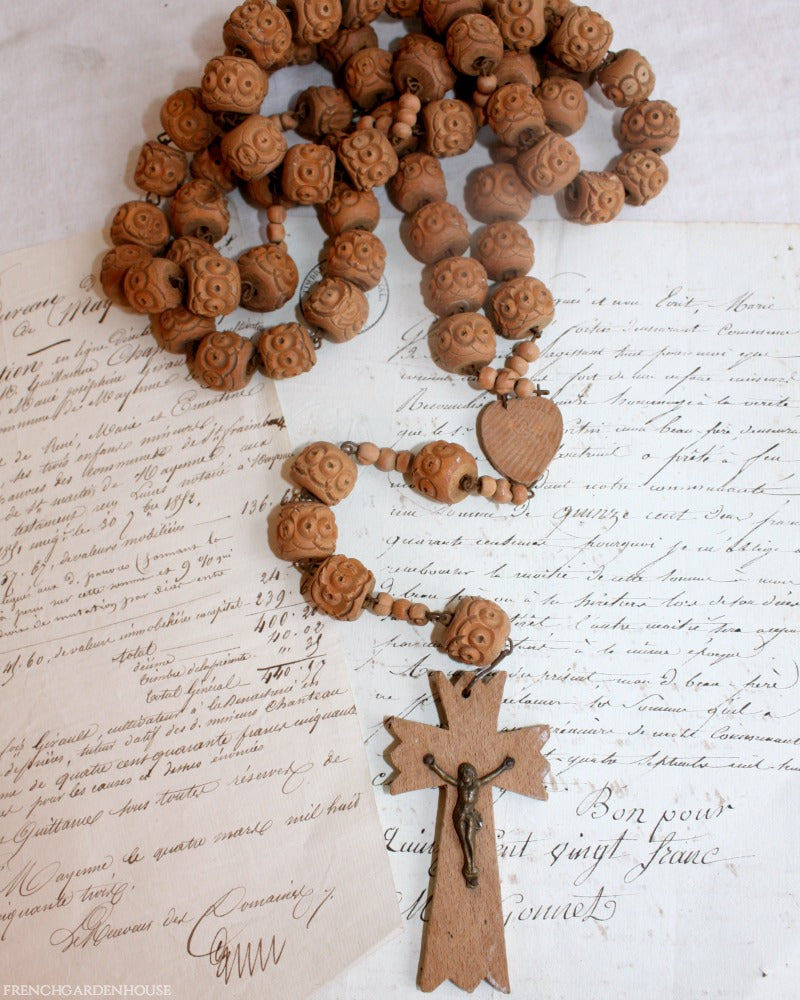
[(456, 285), (400, 609), (419, 180), (517, 364), (418, 614), (439, 470), (474, 44), (643, 174), (357, 256), (515, 115), (505, 250), (517, 67), (232, 83), (160, 169), (403, 460), (581, 40), (521, 307), (261, 31), (324, 471), (462, 343), (386, 460), (523, 388), (176, 329), (505, 382), (487, 377), (449, 127), (307, 174), (421, 67), (368, 158), (313, 20), (382, 604), (268, 277), (213, 286), (496, 193), (368, 453), (349, 209), (337, 308), (286, 350), (305, 530), (519, 494), (114, 266), (440, 14), (321, 111), (521, 23), (254, 147), (368, 77), (564, 104), (199, 209), (185, 120), (594, 197), (627, 78), (437, 230), (503, 492), (223, 361), (487, 486), (477, 632), (549, 165), (187, 247), (154, 285), (650, 125), (528, 350), (210, 165), (336, 50), (339, 587), (141, 223)]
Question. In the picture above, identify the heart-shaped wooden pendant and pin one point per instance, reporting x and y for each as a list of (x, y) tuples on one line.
[(521, 437)]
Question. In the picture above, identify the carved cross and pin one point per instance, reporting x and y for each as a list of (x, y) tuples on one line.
[(463, 940)]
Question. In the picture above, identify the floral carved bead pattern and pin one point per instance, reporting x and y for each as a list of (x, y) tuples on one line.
[(154, 285), (627, 78), (325, 471), (437, 230), (368, 77), (305, 531), (477, 633), (368, 158), (643, 174), (515, 115), (286, 350), (549, 165), (564, 104), (339, 587), (357, 256), (419, 179), (449, 127), (462, 343), (496, 193), (307, 175), (440, 469), (254, 148), (141, 223), (313, 20), (231, 83), (176, 329), (260, 30), (160, 169), (269, 277), (456, 284), (185, 120), (521, 307), (213, 285), (650, 125), (594, 197), (223, 361), (336, 307), (114, 267), (198, 209), (521, 23), (582, 39), (505, 250), (349, 209), (421, 67)]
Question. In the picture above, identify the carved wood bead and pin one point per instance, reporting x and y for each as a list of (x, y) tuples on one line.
[(564, 104), (368, 77), (386, 460), (325, 471), (336, 50), (263, 191), (368, 158), (403, 460), (474, 44), (339, 587), (528, 350), (627, 78), (521, 23), (321, 111), (357, 256), (313, 20), (115, 265), (176, 329), (268, 277), (199, 209), (307, 173), (594, 197), (503, 492), (517, 67), (233, 83), (349, 209), (160, 169), (305, 530), (303, 53), (456, 285), (210, 165), (419, 180), (183, 117), (421, 67), (261, 31), (496, 193), (643, 174), (650, 125), (515, 115), (154, 285), (223, 361), (254, 147), (439, 471), (187, 247), (141, 223), (356, 13), (337, 308), (521, 307), (437, 230), (505, 250), (554, 11), (449, 127), (213, 286), (440, 14), (549, 165), (462, 343), (368, 453), (581, 40), (477, 632), (286, 350), (381, 604)]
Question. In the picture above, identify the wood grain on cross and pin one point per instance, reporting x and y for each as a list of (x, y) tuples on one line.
[(463, 940)]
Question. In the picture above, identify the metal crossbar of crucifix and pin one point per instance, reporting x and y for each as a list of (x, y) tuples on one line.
[(463, 940)]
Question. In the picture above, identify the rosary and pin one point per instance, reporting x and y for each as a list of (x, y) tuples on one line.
[(520, 67)]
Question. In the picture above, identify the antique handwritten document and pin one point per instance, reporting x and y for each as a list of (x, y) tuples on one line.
[(652, 582), (184, 797)]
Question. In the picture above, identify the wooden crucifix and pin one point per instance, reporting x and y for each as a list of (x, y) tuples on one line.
[(463, 940)]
